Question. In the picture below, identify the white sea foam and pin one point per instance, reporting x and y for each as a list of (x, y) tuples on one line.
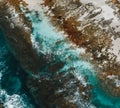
[(45, 37), (81, 103), (13, 101)]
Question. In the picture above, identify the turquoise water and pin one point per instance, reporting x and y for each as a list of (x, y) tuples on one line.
[(42, 30)]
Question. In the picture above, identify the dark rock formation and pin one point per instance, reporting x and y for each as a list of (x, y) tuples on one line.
[(1, 105), (17, 37), (59, 91)]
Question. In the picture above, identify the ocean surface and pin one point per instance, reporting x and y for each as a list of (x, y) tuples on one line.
[(12, 92), (44, 38)]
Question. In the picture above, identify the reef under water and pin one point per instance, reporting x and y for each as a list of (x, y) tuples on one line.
[(59, 54)]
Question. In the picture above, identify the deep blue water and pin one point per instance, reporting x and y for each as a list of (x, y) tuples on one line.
[(12, 93)]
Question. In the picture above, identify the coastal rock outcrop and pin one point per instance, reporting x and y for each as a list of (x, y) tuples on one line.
[(60, 73), (1, 105), (51, 89), (17, 34)]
